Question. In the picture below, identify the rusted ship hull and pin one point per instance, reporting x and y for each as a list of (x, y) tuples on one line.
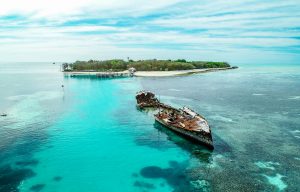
[(198, 137), (184, 121)]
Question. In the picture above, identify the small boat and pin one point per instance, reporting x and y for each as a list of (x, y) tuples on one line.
[(184, 121), (3, 114)]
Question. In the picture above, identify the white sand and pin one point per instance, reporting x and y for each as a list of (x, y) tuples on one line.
[(173, 73), (155, 73)]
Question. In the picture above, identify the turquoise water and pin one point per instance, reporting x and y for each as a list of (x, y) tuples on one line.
[(89, 136)]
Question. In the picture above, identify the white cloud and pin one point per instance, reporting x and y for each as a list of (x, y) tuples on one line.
[(232, 27), (55, 9)]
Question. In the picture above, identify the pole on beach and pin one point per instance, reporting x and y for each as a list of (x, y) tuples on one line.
[(63, 89)]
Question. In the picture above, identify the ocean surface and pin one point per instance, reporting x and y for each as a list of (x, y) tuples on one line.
[(89, 136)]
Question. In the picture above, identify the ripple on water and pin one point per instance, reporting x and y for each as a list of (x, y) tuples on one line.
[(294, 98), (42, 95), (296, 133), (174, 90), (258, 94), (266, 165), (221, 118)]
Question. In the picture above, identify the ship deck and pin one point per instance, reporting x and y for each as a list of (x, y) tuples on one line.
[(196, 124)]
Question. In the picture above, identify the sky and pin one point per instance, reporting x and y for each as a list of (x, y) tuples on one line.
[(238, 31)]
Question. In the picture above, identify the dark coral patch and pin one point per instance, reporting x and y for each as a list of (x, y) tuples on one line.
[(152, 172), (57, 178), (145, 185), (37, 187), (11, 178), (135, 175), (202, 155), (27, 163)]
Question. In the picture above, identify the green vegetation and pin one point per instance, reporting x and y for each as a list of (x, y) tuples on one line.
[(141, 65)]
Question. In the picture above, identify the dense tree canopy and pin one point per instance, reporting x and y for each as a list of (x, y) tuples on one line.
[(142, 65)]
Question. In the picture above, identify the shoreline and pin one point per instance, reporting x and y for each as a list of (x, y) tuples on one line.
[(176, 73), (150, 73)]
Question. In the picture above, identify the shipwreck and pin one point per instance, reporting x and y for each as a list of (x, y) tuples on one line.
[(185, 121)]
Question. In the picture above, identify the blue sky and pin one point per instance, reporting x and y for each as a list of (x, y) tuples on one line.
[(239, 31)]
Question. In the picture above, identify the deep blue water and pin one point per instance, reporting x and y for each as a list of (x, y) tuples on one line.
[(89, 136)]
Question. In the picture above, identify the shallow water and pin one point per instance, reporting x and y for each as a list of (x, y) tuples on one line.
[(89, 136)]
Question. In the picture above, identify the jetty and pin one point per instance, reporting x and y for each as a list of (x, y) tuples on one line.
[(103, 75)]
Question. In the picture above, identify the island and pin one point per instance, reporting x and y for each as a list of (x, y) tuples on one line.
[(142, 68)]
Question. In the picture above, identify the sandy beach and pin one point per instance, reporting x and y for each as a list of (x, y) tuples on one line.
[(174, 73), (153, 73)]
